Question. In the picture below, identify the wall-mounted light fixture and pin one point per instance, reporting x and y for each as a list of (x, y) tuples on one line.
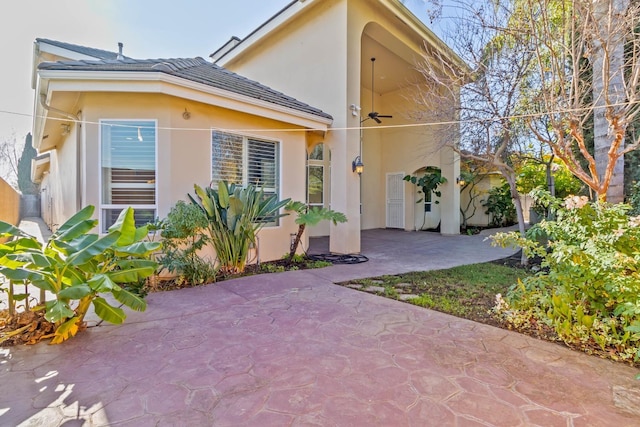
[(357, 166), (355, 110), (460, 181)]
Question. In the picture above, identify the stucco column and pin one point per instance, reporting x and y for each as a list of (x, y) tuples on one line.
[(450, 201), (345, 192)]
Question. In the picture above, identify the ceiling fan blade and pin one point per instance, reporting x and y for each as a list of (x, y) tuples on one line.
[(376, 119), (384, 117)]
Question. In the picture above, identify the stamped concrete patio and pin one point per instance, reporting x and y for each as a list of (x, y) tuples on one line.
[(295, 349)]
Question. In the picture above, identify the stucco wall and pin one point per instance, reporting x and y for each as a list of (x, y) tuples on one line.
[(317, 58), (184, 152), (486, 183)]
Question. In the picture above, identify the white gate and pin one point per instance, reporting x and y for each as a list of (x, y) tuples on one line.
[(395, 200)]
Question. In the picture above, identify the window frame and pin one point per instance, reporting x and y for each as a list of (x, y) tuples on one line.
[(105, 206), (316, 163), (245, 163)]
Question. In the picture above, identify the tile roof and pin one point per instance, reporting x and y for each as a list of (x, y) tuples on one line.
[(89, 51), (193, 69)]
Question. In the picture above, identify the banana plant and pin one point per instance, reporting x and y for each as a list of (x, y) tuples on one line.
[(236, 215), (77, 266)]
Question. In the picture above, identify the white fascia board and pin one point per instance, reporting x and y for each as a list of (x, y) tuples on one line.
[(419, 27), (266, 28), (158, 82), (39, 115)]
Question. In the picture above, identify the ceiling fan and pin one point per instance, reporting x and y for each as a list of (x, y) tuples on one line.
[(374, 114)]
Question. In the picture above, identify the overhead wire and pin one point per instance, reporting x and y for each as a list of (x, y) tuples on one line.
[(348, 128)]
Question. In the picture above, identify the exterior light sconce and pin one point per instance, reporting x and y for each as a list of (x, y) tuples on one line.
[(357, 166), (461, 182)]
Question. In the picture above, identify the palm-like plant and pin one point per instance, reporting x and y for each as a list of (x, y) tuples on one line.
[(310, 216), (235, 215)]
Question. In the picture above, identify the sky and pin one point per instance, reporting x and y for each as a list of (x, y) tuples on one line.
[(147, 28)]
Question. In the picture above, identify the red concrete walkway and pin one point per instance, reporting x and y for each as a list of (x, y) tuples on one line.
[(294, 349)]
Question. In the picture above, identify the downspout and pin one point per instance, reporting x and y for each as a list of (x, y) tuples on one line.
[(76, 119)]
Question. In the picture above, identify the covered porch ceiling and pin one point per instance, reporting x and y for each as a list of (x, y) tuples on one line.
[(395, 66)]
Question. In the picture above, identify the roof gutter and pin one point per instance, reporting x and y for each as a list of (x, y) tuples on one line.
[(75, 119)]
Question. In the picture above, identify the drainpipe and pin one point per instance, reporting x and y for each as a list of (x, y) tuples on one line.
[(76, 119)]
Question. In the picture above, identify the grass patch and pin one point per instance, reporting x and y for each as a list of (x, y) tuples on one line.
[(467, 291)]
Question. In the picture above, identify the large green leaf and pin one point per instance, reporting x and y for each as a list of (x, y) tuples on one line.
[(138, 249), (129, 299), (126, 225), (101, 283), (8, 230), (205, 201), (34, 258), (80, 216), (223, 194), (75, 292), (25, 243), (108, 312), (76, 230), (57, 310), (132, 275), (20, 274), (94, 249)]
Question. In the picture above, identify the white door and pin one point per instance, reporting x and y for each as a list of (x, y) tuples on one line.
[(395, 200)]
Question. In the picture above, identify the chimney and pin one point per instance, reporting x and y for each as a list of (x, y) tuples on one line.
[(120, 57)]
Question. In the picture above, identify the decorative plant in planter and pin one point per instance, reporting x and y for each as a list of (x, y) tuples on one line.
[(235, 216), (77, 266), (310, 216)]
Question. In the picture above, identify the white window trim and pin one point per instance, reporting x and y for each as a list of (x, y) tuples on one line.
[(245, 161), (102, 206)]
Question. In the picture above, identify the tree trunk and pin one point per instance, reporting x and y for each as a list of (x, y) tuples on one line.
[(515, 196), (296, 241), (608, 89)]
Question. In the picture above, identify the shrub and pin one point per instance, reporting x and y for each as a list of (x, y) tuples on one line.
[(183, 235), (500, 206), (589, 287)]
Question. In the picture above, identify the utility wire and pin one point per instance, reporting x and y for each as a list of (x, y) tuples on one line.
[(304, 129)]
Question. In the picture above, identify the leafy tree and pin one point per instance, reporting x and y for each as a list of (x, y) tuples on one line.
[(533, 174), (491, 92), (25, 185), (570, 93)]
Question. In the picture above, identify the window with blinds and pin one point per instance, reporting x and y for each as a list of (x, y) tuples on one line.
[(242, 161), (128, 170), (245, 160)]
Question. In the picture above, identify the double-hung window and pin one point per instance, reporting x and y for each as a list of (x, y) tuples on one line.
[(128, 170), (243, 160)]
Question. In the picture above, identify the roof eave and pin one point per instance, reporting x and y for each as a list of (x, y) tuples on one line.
[(84, 80), (296, 7)]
